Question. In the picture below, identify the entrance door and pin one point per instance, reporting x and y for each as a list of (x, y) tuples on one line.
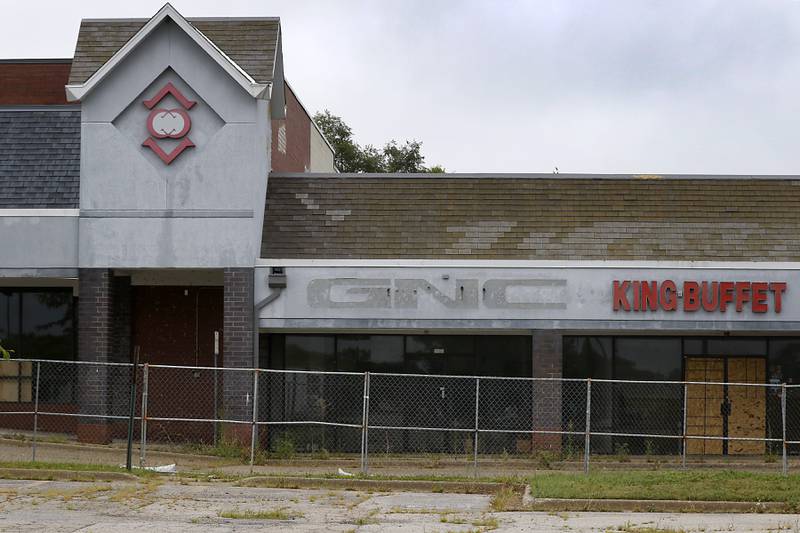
[(723, 410)]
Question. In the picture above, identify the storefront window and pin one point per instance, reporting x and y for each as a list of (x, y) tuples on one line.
[(37, 324), (648, 358), (508, 355), (372, 353), (440, 354), (784, 361), (732, 346), (310, 352), (587, 357)]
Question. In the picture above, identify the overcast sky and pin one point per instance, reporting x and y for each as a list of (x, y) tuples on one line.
[(589, 86)]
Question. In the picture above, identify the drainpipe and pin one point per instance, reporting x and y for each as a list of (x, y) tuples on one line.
[(276, 281)]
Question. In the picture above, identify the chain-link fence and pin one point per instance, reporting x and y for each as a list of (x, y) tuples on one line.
[(259, 415)]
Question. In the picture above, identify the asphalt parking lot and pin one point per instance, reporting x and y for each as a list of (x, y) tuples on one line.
[(158, 505)]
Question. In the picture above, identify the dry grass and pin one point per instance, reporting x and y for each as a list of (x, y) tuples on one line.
[(249, 514)]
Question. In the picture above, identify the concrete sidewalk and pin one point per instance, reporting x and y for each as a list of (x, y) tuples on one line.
[(154, 505)]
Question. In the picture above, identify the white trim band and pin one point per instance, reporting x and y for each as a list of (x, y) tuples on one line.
[(45, 212)]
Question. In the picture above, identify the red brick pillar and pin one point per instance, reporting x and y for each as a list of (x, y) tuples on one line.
[(547, 363)]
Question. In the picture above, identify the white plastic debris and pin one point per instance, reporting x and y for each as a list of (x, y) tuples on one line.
[(164, 469), (343, 473)]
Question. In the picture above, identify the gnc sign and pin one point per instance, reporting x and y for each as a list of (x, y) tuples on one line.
[(709, 296)]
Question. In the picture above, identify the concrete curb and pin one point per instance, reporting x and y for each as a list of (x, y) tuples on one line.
[(651, 506), (211, 461), (462, 487), (43, 474)]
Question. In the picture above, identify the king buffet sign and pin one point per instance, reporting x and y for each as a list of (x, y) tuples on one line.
[(557, 293)]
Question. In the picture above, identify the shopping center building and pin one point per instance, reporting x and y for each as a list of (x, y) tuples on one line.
[(164, 192)]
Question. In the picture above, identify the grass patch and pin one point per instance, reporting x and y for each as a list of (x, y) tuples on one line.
[(79, 467), (488, 522), (627, 528), (369, 518), (666, 485), (248, 514)]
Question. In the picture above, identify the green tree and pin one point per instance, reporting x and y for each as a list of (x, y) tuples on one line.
[(351, 157)]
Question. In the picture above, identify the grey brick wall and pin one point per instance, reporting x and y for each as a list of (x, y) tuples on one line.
[(237, 341), (547, 363), (95, 342)]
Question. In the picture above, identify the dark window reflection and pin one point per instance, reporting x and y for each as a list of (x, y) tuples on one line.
[(587, 357), (310, 352), (38, 324), (731, 346), (648, 358)]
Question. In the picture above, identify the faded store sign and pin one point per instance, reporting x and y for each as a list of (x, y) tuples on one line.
[(402, 293)]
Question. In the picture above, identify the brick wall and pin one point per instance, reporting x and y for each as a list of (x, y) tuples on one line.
[(34, 82), (547, 363), (297, 124), (95, 343), (238, 347)]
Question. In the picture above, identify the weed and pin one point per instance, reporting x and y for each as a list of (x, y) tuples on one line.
[(249, 514), (505, 499), (488, 522), (622, 452), (649, 447), (284, 447), (367, 519)]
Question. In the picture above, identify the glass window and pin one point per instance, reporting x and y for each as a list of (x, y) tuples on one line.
[(693, 346), (734, 346), (38, 323), (648, 358), (310, 352), (440, 354), (46, 331), (10, 320), (784, 361), (504, 355), (587, 357), (373, 353)]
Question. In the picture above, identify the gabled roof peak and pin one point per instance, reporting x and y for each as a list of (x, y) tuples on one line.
[(119, 37)]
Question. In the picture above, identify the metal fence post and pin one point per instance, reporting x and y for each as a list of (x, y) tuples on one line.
[(587, 429), (143, 436), (255, 420), (36, 411), (475, 439), (365, 425), (683, 441), (783, 440)]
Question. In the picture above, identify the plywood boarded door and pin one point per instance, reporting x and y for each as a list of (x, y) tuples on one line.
[(703, 415), (748, 409)]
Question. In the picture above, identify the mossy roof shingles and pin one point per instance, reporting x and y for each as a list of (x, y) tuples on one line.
[(250, 43), (544, 217)]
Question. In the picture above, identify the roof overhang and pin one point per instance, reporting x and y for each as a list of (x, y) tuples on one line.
[(255, 89)]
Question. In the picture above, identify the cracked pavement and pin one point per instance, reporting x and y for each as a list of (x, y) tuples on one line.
[(169, 505)]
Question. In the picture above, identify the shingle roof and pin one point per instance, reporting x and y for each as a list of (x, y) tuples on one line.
[(546, 218), (250, 43), (40, 157)]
